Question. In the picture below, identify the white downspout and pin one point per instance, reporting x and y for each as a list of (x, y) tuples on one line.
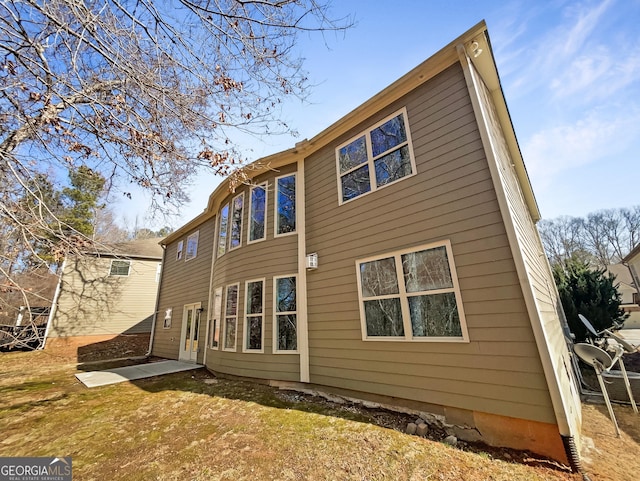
[(54, 303)]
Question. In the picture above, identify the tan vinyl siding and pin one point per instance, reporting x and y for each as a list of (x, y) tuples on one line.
[(184, 282), (274, 256), (92, 302), (539, 276), (451, 197)]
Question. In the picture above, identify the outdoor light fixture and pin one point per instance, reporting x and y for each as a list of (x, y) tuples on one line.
[(475, 49), (312, 261)]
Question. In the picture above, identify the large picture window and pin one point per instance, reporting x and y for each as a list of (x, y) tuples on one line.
[(235, 237), (285, 217), (258, 213), (231, 317), (285, 314), (254, 318), (375, 158), (223, 230), (411, 295)]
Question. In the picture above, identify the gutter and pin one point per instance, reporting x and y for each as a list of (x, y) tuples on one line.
[(155, 312)]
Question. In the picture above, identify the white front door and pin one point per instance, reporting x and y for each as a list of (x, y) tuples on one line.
[(190, 329)]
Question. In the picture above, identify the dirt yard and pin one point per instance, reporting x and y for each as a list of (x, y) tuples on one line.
[(194, 426)]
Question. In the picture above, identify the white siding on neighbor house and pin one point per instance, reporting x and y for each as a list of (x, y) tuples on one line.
[(537, 277), (92, 302), (451, 197)]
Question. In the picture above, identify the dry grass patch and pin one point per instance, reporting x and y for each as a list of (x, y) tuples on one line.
[(181, 427)]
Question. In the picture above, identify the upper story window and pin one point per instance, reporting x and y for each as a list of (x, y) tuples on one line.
[(411, 295), (235, 237), (179, 250), (285, 218), (192, 246), (258, 213), (223, 229), (119, 268), (375, 158)]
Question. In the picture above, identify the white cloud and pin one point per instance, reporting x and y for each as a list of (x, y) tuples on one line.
[(554, 151)]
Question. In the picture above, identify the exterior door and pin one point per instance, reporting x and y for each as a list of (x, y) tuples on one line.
[(190, 330)]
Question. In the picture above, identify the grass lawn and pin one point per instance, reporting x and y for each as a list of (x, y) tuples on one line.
[(191, 426)]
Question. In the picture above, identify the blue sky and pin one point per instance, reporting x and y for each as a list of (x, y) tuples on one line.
[(570, 71)]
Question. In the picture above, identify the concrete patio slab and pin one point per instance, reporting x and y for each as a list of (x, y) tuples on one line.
[(130, 373)]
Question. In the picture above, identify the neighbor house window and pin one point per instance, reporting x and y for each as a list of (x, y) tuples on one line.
[(285, 314), (192, 246), (254, 315), (285, 217), (119, 268), (257, 213), (223, 229), (158, 272), (231, 317), (411, 295), (375, 158), (179, 250), (235, 237)]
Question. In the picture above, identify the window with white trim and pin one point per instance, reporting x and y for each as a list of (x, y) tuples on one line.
[(231, 317), (411, 295), (223, 229), (214, 335), (179, 250), (235, 236), (158, 272), (119, 268), (375, 158), (285, 205), (254, 316), (285, 315), (192, 246), (257, 213)]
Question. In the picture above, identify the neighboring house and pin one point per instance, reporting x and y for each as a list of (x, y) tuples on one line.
[(392, 258), (632, 261), (107, 292)]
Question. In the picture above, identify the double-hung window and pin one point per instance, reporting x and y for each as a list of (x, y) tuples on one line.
[(258, 213), (119, 268), (231, 317), (254, 318), (285, 204), (179, 250), (285, 325), (411, 295), (375, 158), (192, 246)]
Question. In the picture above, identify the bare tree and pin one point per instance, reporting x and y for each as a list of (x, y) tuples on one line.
[(602, 238), (141, 92)]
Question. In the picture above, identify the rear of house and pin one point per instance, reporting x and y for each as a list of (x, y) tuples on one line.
[(106, 293), (392, 258)]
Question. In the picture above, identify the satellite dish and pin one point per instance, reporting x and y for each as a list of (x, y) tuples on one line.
[(601, 361), (593, 355), (588, 325)]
